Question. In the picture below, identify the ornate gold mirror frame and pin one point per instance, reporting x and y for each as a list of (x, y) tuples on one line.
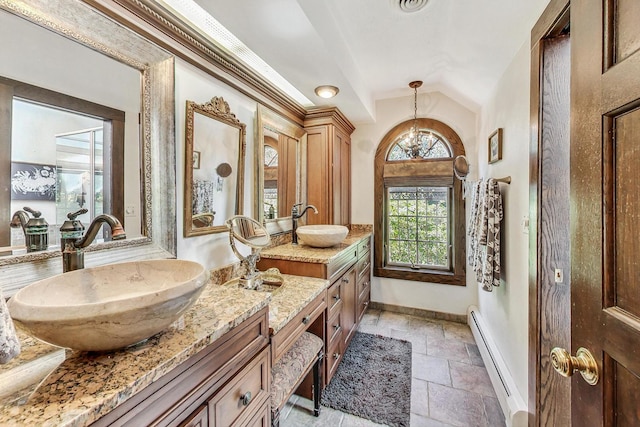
[(214, 167)]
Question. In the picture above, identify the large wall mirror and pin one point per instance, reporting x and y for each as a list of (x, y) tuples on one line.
[(281, 174), (66, 49), (214, 167)]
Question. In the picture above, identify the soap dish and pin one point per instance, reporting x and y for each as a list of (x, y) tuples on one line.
[(272, 277)]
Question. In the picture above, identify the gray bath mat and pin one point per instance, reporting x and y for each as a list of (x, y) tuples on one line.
[(373, 381)]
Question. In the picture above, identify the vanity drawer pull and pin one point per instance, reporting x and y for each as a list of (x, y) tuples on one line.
[(337, 327), (365, 284), (336, 297), (345, 280), (306, 319), (245, 399), (336, 356)]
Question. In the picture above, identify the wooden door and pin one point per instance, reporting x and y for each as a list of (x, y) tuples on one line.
[(605, 208)]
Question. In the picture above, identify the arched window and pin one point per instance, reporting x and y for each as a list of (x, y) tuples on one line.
[(419, 211)]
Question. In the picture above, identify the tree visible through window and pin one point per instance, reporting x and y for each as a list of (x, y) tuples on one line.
[(419, 211), (418, 226)]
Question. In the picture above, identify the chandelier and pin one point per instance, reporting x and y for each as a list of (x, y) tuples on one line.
[(417, 144)]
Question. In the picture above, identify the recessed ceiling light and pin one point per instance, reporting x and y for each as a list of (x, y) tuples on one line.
[(327, 91)]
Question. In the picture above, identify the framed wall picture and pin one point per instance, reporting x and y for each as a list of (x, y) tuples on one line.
[(31, 181), (495, 146)]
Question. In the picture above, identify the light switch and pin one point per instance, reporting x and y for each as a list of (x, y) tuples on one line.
[(525, 224)]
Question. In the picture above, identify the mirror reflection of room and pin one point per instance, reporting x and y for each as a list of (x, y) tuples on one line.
[(64, 127)]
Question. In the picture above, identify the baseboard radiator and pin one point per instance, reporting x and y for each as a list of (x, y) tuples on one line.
[(513, 406)]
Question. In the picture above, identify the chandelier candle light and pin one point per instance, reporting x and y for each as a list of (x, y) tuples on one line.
[(417, 144)]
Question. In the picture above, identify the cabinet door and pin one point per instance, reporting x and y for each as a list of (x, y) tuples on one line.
[(198, 419), (349, 300), (318, 174), (340, 178)]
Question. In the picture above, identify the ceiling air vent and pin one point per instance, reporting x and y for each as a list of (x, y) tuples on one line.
[(411, 5)]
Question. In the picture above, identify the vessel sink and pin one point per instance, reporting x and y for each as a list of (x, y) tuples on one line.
[(322, 236), (108, 307)]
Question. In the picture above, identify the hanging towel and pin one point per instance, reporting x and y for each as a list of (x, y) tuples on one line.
[(494, 215), (9, 343)]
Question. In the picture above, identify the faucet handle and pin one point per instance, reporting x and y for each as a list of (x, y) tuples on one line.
[(74, 215), (36, 214)]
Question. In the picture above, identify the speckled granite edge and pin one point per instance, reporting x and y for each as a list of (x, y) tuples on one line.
[(294, 295), (304, 253), (87, 386)]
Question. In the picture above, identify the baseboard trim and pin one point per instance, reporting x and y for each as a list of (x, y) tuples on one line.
[(513, 406), (418, 312)]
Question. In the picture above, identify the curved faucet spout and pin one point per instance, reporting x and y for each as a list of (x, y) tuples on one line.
[(117, 232), (294, 219), (72, 253), (19, 219)]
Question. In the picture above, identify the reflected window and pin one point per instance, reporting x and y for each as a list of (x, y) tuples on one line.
[(61, 162), (270, 200)]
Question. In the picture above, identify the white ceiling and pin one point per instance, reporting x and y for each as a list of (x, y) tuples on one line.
[(371, 50)]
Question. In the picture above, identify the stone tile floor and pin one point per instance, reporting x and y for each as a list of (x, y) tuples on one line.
[(450, 385)]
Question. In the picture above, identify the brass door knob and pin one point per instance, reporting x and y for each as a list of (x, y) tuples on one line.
[(566, 364)]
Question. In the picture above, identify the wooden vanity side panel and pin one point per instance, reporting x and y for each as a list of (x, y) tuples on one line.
[(179, 393), (297, 268)]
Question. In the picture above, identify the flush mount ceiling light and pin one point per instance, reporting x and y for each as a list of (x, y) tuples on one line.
[(410, 5), (327, 91)]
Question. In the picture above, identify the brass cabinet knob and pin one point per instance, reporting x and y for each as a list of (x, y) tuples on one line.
[(345, 280), (337, 327), (306, 319), (566, 364), (336, 355), (336, 297), (246, 398)]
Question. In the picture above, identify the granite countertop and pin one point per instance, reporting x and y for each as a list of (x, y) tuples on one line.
[(82, 387), (290, 299), (304, 253)]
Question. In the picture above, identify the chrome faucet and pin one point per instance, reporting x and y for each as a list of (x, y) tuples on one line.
[(294, 219), (72, 241)]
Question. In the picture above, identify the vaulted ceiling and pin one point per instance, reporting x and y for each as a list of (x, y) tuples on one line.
[(371, 49)]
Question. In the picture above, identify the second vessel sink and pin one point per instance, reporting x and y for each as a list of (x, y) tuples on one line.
[(322, 236), (108, 307)]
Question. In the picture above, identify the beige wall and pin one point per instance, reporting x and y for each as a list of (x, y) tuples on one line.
[(364, 142), (505, 310)]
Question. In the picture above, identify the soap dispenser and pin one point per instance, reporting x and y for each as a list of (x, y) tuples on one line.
[(36, 229)]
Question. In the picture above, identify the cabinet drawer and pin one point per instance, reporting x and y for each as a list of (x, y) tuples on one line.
[(244, 394), (261, 419), (285, 337), (334, 298), (364, 246), (364, 282), (363, 302), (364, 266), (338, 266), (334, 329), (199, 418), (333, 359)]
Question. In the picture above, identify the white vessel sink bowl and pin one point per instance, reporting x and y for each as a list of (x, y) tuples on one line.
[(108, 307), (322, 236)]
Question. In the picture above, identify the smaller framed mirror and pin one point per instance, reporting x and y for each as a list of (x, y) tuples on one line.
[(281, 171), (214, 167)]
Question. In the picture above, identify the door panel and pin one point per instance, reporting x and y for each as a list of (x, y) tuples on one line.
[(605, 160)]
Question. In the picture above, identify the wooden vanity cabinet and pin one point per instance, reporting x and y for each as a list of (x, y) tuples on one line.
[(346, 299), (225, 384), (329, 166)]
